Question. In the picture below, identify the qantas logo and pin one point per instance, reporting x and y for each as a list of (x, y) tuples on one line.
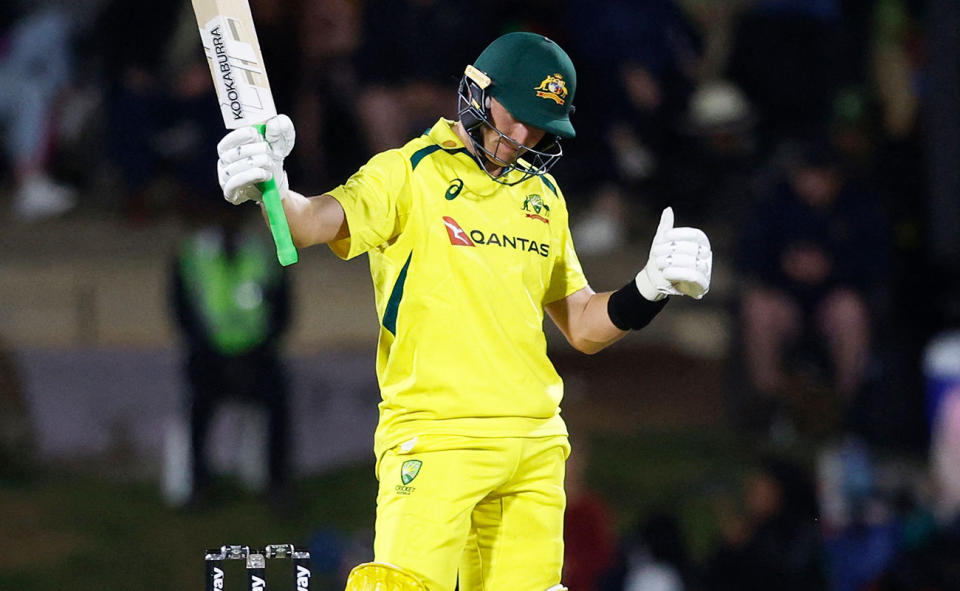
[(457, 236), (460, 237)]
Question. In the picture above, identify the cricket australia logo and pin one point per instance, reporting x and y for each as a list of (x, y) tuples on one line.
[(408, 471), (554, 88), (535, 208)]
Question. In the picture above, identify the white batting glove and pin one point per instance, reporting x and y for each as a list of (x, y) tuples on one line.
[(680, 262), (247, 158)]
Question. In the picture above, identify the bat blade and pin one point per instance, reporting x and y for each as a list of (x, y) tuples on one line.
[(243, 91), (233, 52)]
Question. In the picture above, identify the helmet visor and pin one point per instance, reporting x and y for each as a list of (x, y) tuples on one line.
[(516, 161)]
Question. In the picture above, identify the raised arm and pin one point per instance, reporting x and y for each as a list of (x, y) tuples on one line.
[(583, 319), (314, 220), (680, 263), (246, 159)]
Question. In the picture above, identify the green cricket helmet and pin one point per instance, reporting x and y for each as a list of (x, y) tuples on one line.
[(535, 81)]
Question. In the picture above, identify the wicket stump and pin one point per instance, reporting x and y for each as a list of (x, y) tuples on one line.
[(256, 565)]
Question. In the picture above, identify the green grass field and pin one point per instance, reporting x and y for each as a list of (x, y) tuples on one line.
[(71, 532), (59, 530)]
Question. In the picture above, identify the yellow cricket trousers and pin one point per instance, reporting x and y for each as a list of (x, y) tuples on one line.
[(488, 508)]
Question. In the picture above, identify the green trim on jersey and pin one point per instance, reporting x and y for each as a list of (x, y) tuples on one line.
[(422, 153), (549, 185), (469, 355), (393, 304)]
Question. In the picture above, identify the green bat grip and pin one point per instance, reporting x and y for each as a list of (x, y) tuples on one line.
[(286, 251)]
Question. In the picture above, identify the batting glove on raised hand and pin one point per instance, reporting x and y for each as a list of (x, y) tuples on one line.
[(248, 158), (680, 262)]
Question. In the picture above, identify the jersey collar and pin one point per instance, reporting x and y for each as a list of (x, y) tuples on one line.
[(444, 137)]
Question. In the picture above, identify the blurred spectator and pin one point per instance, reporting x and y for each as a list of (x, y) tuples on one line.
[(232, 304), (813, 257), (716, 22), (852, 130), (546, 17), (860, 529), (860, 554), (877, 522), (656, 556), (907, 177), (588, 529), (643, 57), (846, 484), (930, 565), (132, 41), (785, 59), (775, 543), (160, 101), (897, 61), (35, 62), (720, 163), (277, 23), (945, 456), (16, 428), (328, 147), (406, 81), (894, 61)]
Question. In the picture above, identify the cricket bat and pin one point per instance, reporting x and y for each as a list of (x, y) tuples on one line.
[(233, 52)]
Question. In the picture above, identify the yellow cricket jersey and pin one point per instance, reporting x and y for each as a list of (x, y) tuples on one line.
[(462, 267)]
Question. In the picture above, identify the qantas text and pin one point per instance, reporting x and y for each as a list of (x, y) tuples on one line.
[(515, 242)]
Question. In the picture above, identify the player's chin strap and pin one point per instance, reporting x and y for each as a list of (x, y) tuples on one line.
[(558, 588), (381, 576)]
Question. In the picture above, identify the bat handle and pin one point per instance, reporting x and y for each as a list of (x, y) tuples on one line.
[(286, 251)]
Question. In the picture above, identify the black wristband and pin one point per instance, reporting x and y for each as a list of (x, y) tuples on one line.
[(630, 310)]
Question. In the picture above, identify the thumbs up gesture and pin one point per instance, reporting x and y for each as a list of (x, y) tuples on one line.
[(680, 262)]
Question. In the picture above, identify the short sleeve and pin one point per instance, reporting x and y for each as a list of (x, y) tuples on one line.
[(567, 276), (376, 203)]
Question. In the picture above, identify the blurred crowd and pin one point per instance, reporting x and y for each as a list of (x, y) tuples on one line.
[(851, 523), (789, 129), (695, 103), (850, 520)]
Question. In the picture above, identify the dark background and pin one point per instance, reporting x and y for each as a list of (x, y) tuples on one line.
[(704, 105)]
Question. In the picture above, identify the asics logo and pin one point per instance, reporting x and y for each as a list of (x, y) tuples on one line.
[(456, 185)]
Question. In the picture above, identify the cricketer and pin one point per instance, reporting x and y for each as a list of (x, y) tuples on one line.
[(469, 244)]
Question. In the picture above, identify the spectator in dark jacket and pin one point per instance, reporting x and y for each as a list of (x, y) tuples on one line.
[(813, 254), (776, 542), (232, 305)]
